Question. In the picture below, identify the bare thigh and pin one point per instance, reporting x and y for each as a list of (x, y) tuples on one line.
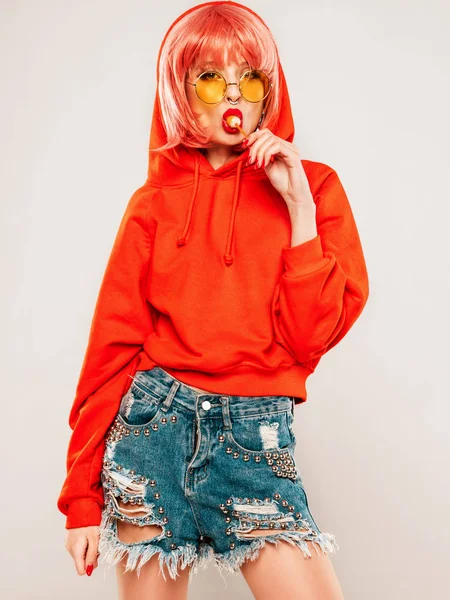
[(282, 571), (150, 585)]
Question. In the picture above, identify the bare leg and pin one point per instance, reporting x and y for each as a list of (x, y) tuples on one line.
[(282, 571)]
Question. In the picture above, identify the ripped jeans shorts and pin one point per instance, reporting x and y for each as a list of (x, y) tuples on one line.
[(215, 473)]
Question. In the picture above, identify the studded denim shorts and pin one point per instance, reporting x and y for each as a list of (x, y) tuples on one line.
[(208, 469)]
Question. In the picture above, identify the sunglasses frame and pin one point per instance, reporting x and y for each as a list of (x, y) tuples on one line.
[(227, 84)]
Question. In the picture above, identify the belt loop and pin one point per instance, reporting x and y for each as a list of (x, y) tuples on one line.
[(226, 412), (170, 396)]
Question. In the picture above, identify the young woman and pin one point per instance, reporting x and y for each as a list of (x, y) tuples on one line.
[(236, 267)]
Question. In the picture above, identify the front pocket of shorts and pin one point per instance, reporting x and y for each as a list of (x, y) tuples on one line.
[(138, 406), (258, 433)]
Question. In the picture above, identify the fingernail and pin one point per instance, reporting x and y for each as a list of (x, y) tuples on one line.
[(245, 142), (89, 569), (272, 158)]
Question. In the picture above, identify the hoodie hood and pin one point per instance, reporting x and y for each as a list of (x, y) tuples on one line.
[(184, 165)]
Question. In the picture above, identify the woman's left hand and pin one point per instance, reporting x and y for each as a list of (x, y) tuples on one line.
[(286, 172)]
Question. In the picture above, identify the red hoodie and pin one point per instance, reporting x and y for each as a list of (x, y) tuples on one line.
[(202, 281)]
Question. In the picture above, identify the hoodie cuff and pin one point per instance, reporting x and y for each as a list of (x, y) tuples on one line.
[(83, 512), (303, 258)]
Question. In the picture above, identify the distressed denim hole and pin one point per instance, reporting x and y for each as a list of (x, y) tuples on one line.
[(128, 533), (260, 433)]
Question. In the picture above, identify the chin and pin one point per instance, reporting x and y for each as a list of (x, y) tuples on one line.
[(229, 139)]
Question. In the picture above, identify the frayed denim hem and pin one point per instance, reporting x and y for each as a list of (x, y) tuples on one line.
[(230, 562), (112, 550)]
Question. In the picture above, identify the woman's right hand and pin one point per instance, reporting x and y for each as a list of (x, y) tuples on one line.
[(82, 545)]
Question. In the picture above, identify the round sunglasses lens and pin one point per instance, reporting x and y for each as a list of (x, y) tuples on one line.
[(211, 87), (254, 85)]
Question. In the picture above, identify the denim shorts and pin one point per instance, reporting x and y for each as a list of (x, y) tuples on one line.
[(208, 469)]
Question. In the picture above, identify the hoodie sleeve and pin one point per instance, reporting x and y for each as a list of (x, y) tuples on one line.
[(324, 284), (121, 322)]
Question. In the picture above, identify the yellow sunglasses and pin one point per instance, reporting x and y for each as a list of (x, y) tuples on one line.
[(211, 86)]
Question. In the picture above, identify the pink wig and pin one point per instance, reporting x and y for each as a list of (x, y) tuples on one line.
[(211, 32)]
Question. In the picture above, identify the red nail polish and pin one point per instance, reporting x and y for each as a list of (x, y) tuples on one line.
[(272, 158), (89, 570), (245, 142)]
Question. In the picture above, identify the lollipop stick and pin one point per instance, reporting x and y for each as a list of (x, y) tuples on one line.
[(241, 130)]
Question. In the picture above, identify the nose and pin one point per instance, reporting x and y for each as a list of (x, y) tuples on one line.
[(233, 92)]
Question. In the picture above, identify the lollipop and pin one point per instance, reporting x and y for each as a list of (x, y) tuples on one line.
[(234, 121)]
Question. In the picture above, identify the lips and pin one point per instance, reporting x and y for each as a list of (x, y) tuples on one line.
[(232, 111), (235, 112)]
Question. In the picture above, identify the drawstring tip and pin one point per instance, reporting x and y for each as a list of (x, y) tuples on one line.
[(181, 241), (228, 259)]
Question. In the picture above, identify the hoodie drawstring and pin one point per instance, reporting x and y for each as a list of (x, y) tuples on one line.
[(230, 236), (181, 241)]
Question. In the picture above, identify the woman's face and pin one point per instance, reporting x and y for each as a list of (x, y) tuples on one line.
[(210, 116)]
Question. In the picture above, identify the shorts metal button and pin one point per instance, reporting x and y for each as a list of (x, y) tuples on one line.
[(206, 404)]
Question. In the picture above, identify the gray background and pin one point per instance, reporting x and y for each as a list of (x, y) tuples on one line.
[(369, 85)]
